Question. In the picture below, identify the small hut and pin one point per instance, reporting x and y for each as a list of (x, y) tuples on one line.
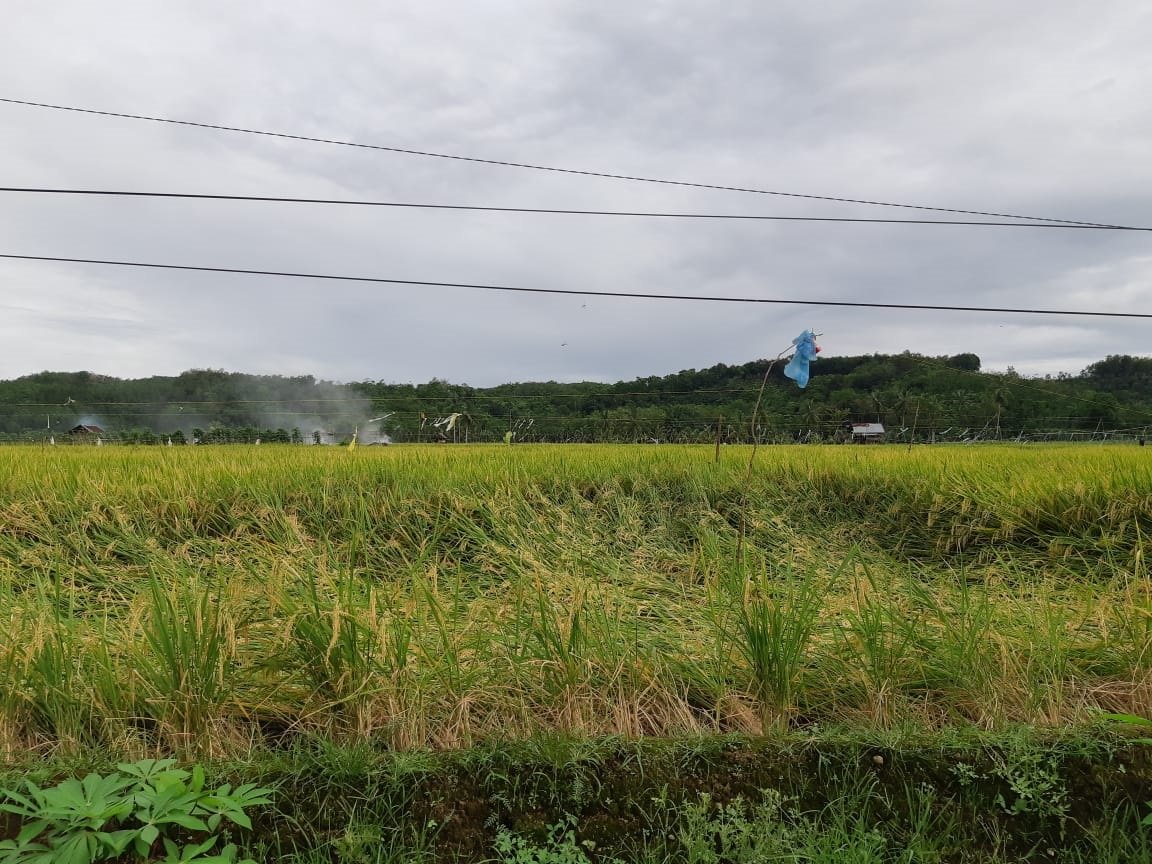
[(86, 434), (867, 433)]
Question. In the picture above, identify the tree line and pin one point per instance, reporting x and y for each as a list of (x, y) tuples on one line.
[(914, 396)]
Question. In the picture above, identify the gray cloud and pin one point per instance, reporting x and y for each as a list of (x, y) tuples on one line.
[(1021, 108)]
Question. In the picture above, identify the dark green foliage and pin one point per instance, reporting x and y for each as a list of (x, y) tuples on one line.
[(822, 797), (1121, 372), (944, 398), (969, 362), (133, 811)]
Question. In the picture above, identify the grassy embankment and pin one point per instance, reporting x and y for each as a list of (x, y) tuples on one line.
[(228, 604)]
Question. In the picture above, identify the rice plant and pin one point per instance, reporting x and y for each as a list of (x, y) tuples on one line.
[(213, 599)]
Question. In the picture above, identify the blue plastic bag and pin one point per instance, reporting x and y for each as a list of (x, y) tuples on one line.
[(806, 350)]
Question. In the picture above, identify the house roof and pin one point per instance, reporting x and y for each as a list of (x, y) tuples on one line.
[(867, 428), (82, 429)]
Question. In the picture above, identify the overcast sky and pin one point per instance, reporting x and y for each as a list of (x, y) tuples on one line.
[(1028, 107)]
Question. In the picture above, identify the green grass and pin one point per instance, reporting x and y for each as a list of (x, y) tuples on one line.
[(208, 600), (982, 798)]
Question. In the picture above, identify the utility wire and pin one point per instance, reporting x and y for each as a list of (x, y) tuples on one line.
[(509, 164), (952, 418), (558, 211), (792, 423), (541, 424), (417, 397), (578, 292)]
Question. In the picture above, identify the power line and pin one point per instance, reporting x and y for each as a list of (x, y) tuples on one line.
[(579, 292), (553, 169), (955, 414), (174, 406), (405, 397), (791, 422), (543, 422), (549, 425), (559, 211)]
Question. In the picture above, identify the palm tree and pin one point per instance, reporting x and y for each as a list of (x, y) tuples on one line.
[(809, 414), (1000, 397), (878, 403), (900, 398)]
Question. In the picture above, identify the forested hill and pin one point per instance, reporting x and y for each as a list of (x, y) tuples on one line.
[(946, 398)]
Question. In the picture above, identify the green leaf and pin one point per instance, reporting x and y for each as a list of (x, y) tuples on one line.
[(20, 851), (117, 841), (169, 782), (1129, 719), (240, 819), (250, 794), (31, 830), (149, 833), (77, 849), (22, 807), (190, 852), (146, 769), (190, 822)]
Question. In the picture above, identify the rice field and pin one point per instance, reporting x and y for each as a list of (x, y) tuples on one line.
[(212, 601)]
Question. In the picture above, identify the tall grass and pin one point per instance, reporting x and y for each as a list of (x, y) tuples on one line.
[(210, 599), (775, 617)]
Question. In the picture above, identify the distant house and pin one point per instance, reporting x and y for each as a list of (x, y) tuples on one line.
[(84, 433), (867, 433)]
